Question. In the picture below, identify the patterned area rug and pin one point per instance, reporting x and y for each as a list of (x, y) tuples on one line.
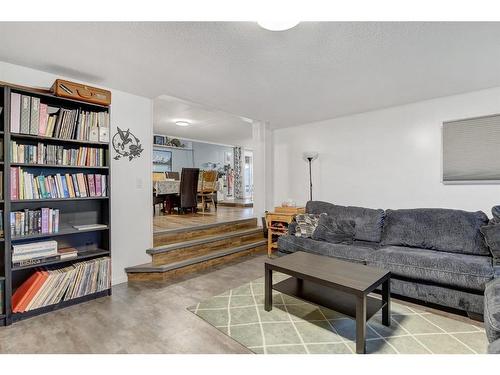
[(297, 327)]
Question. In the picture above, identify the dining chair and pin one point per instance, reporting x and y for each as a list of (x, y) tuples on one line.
[(158, 199), (208, 189), (172, 175), (187, 198)]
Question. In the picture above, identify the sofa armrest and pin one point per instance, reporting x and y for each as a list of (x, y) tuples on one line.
[(292, 228), (492, 310)]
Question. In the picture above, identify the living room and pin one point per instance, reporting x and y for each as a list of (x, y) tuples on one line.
[(314, 187)]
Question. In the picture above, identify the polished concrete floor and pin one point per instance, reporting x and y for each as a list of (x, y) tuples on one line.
[(137, 318), (143, 318)]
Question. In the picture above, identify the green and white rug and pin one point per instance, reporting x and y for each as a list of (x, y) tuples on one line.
[(297, 327)]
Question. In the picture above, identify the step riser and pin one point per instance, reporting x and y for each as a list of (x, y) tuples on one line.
[(163, 276), (203, 249), (160, 239)]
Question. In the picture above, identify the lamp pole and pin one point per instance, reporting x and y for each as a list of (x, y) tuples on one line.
[(310, 159)]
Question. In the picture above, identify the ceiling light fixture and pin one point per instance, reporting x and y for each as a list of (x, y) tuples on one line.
[(182, 123), (277, 25)]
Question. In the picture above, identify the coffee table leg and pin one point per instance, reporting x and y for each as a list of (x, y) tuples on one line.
[(386, 297), (361, 325), (268, 286)]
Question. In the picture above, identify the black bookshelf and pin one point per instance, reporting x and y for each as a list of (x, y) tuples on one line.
[(91, 243)]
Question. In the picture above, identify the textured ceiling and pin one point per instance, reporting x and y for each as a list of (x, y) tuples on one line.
[(311, 72), (206, 124)]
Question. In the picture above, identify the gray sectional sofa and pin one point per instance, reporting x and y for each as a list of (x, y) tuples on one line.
[(435, 255)]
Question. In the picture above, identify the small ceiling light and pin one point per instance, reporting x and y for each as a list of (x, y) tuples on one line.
[(182, 123), (277, 25)]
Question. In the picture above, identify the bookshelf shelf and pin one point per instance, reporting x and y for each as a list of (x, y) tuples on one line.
[(81, 256), (62, 232), (90, 243), (31, 165), (56, 140), (16, 317)]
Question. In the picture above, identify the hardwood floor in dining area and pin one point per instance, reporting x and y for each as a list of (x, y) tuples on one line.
[(162, 221)]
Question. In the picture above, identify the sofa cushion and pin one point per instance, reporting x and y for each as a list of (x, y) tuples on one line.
[(492, 310), (306, 224), (368, 221), (491, 234), (436, 229), (495, 211), (455, 270), (335, 231), (352, 253)]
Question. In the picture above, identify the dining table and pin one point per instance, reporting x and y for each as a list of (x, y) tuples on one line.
[(169, 187)]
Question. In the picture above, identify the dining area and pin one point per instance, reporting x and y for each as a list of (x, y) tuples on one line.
[(187, 191)]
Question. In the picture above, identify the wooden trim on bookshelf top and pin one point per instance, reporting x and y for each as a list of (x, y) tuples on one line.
[(42, 310), (39, 138), (81, 256), (30, 165), (62, 232), (56, 199), (50, 96)]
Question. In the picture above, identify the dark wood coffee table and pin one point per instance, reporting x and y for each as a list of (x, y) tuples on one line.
[(338, 285)]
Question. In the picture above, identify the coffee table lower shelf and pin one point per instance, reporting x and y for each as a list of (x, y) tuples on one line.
[(332, 299)]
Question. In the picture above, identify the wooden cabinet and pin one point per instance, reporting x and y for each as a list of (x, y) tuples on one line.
[(277, 224)]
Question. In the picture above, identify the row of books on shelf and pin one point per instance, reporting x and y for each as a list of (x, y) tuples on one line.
[(40, 252), (29, 116), (24, 185), (29, 222), (57, 155), (52, 285)]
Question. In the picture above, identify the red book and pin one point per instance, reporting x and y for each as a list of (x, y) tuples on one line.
[(42, 276), (25, 291)]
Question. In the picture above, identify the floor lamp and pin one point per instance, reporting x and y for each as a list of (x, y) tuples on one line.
[(309, 157)]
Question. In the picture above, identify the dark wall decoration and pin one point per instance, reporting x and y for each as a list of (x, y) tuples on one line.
[(126, 145)]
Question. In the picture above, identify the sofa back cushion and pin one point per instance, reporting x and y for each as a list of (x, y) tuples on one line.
[(368, 222), (439, 229), (334, 231), (491, 234)]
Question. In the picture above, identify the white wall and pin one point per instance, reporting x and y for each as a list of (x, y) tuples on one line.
[(131, 203), (389, 158)]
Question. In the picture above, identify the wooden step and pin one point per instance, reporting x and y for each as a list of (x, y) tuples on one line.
[(179, 251), (168, 236), (150, 272)]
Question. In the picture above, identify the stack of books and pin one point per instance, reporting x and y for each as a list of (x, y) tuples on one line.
[(28, 222), (24, 185), (56, 155), (52, 285), (29, 116), (34, 253)]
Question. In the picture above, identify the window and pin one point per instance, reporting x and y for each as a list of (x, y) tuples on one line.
[(471, 150)]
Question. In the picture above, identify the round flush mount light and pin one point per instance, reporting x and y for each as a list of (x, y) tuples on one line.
[(277, 25), (182, 123)]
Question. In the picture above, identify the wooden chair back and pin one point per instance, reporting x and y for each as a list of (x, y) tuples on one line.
[(159, 176), (208, 181), (173, 175)]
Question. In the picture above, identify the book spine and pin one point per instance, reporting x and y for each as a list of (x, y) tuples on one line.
[(35, 115), (32, 262), (25, 114), (15, 112)]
